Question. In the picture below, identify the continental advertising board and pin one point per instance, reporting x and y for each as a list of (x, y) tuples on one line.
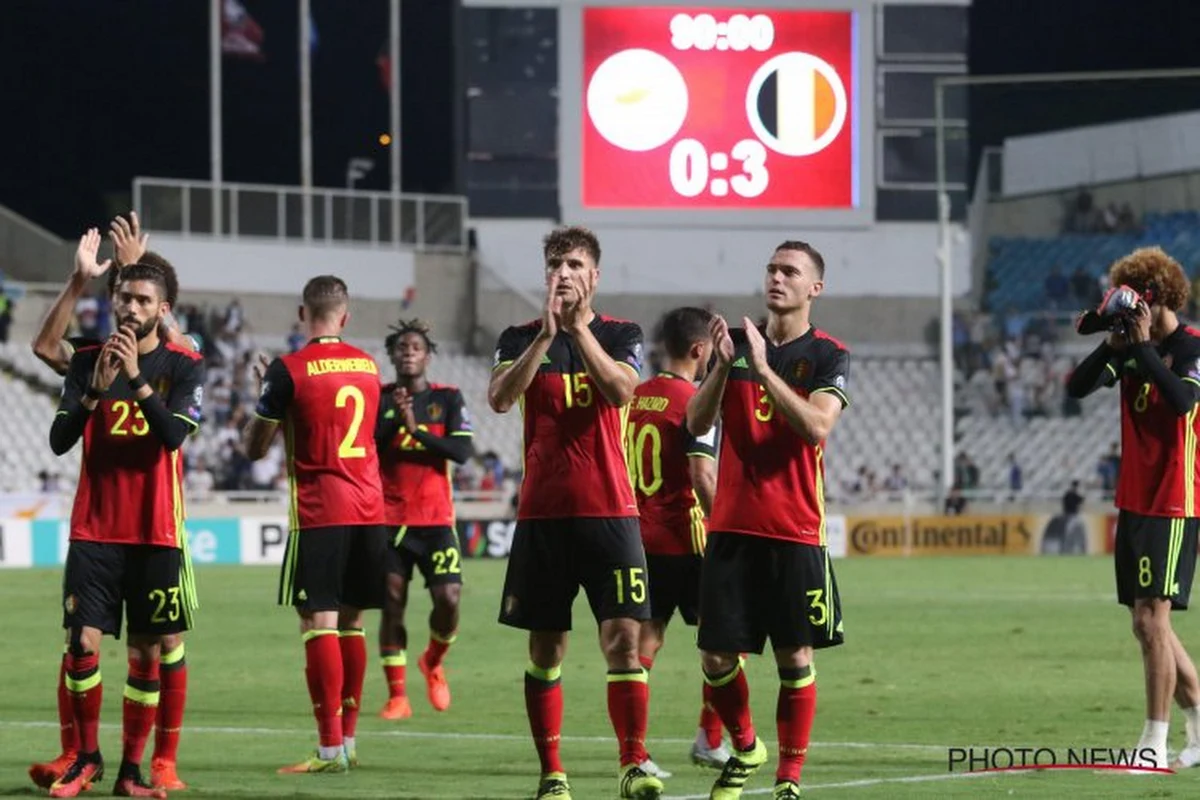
[(999, 534)]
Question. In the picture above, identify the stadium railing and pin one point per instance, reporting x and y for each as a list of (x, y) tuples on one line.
[(426, 222)]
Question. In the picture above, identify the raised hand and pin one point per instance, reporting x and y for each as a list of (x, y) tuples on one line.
[(86, 265), (129, 243), (718, 329), (260, 372), (758, 346), (123, 346), (551, 310), (404, 404), (105, 371)]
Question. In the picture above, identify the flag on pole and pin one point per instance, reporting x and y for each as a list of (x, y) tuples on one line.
[(241, 35), (384, 62)]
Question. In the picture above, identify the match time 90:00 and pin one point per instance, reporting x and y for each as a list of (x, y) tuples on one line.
[(738, 33)]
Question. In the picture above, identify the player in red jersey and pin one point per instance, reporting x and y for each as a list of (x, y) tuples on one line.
[(422, 428), (55, 350), (133, 401), (326, 397), (767, 573), (1156, 361), (574, 372), (674, 476)]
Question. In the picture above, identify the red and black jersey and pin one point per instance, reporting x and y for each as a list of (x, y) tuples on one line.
[(770, 481), (130, 484), (417, 489), (659, 445), (1158, 475), (574, 438), (326, 395)]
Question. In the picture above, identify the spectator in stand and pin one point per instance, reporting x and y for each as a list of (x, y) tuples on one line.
[(199, 481), (6, 314), (1083, 288), (295, 339), (1016, 480), (1058, 289), (1072, 500), (955, 502), (895, 483), (1108, 469), (87, 316)]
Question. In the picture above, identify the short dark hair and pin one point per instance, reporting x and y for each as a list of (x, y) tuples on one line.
[(808, 250), (567, 238), (681, 328), (150, 259), (404, 327), (325, 295), (143, 272)]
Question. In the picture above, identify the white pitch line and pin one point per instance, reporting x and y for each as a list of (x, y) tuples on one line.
[(808, 787), (498, 737)]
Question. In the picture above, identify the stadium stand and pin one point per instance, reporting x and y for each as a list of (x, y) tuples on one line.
[(1019, 267)]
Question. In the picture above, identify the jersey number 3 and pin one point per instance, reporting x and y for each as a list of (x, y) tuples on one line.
[(352, 395)]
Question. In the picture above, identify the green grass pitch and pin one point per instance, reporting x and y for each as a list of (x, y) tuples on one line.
[(1003, 651)]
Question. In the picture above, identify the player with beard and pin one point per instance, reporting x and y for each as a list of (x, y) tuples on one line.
[(778, 390), (423, 427), (574, 373), (133, 401), (52, 346)]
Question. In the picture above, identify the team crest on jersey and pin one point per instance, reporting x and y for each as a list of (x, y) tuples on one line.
[(435, 412), (510, 605), (802, 369), (1169, 359), (163, 387), (69, 605)]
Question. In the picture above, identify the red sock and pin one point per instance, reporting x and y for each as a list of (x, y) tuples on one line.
[(87, 692), (394, 661), (68, 733), (629, 708), (435, 653), (793, 719), (731, 699), (544, 705), (173, 677), (710, 720), (323, 657), (140, 708), (354, 669)]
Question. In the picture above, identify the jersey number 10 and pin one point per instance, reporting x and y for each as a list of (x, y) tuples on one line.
[(645, 477)]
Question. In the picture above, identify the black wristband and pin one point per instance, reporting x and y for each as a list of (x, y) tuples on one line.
[(93, 393), (137, 383)]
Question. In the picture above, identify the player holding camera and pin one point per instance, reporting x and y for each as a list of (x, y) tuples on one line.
[(1156, 361)]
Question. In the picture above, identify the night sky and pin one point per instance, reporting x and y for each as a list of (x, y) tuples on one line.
[(98, 91)]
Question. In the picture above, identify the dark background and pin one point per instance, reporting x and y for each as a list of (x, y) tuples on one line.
[(97, 92)]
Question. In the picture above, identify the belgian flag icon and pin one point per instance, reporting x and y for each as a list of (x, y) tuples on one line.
[(797, 104)]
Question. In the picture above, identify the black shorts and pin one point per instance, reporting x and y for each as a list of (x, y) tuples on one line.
[(552, 558), (327, 568), (753, 588), (146, 583), (674, 583), (433, 549), (1155, 557)]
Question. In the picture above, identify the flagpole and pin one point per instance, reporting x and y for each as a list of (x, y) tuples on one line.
[(214, 114), (306, 179), (394, 113)]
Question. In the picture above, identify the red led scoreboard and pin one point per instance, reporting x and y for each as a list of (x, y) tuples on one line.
[(718, 109)]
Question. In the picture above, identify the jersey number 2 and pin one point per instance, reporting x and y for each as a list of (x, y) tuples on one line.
[(345, 395)]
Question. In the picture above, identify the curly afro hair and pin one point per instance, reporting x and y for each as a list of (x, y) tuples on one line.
[(403, 327), (1155, 275)]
